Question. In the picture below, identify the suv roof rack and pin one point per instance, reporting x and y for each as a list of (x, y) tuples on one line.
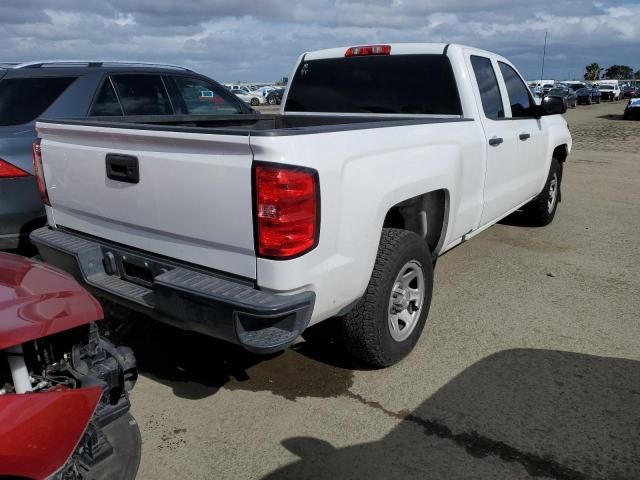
[(91, 63)]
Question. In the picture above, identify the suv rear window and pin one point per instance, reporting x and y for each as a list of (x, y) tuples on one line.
[(107, 103), (22, 100), (142, 94), (400, 84), (198, 97)]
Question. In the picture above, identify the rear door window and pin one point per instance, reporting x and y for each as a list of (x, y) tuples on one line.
[(521, 103), (22, 100), (488, 86), (195, 96), (106, 104), (142, 94), (394, 84)]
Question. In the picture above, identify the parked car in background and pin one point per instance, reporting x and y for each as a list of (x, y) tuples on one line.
[(252, 98), (588, 95), (565, 93), (263, 91), (632, 110), (84, 90), (629, 91), (575, 86), (546, 87), (536, 91), (274, 97), (64, 389), (384, 158), (609, 91)]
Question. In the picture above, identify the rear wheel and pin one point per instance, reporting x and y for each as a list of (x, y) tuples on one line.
[(542, 209), (386, 323)]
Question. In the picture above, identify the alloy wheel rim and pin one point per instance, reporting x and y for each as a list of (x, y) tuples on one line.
[(553, 192), (406, 300)]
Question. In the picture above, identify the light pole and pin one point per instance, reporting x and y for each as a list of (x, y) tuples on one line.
[(544, 53)]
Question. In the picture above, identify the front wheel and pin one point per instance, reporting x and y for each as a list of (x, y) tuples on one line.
[(542, 209), (386, 323), (255, 102)]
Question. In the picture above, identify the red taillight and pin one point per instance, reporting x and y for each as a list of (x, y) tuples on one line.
[(39, 173), (10, 171), (286, 210), (364, 50)]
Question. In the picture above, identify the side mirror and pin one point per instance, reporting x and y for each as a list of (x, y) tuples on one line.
[(552, 106)]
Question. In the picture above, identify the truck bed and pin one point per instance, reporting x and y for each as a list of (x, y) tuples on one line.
[(191, 198)]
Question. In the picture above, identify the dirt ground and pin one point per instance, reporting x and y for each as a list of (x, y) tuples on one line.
[(529, 366)]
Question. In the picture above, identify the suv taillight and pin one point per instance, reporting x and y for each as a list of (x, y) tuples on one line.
[(39, 173), (8, 170), (286, 210)]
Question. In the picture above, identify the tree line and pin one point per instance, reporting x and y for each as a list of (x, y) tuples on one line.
[(614, 72)]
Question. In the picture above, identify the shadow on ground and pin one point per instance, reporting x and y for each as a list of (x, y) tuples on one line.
[(612, 117), (515, 414), (518, 219), (196, 366)]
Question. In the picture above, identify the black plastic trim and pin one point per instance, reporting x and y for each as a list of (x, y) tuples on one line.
[(259, 321), (341, 124)]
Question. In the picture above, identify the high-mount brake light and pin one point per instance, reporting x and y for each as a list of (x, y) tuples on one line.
[(39, 172), (8, 170), (286, 210), (365, 50)]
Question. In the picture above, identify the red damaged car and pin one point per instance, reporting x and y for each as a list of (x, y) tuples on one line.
[(64, 403)]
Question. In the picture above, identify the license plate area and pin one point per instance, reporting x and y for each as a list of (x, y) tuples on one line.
[(133, 268), (137, 272)]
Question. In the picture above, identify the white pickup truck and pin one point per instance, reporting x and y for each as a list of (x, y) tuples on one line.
[(251, 228)]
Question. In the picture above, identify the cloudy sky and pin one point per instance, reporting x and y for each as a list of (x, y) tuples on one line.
[(260, 40)]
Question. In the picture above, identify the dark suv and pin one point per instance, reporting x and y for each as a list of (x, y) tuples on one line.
[(84, 89)]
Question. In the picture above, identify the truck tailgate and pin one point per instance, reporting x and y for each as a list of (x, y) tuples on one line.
[(192, 202)]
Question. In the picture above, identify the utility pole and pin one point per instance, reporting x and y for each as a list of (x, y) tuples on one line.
[(544, 54)]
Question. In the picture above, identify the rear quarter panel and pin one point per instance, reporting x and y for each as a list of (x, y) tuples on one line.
[(362, 174)]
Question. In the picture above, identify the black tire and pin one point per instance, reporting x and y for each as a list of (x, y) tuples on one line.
[(366, 328), (539, 212), (255, 102), (272, 101)]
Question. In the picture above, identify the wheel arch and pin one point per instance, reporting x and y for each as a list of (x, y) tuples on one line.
[(561, 152), (425, 214)]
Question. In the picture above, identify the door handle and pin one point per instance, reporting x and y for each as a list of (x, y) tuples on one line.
[(495, 141), (122, 168), (525, 136)]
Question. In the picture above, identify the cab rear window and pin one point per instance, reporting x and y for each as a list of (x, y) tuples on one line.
[(393, 84), (22, 100)]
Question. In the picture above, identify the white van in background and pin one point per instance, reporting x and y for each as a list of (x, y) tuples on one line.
[(609, 89)]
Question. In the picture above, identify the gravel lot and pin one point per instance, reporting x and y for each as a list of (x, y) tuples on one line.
[(529, 366)]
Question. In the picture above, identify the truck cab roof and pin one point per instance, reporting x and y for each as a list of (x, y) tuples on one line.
[(396, 49)]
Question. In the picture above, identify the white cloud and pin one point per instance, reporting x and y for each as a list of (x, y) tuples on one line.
[(241, 39)]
